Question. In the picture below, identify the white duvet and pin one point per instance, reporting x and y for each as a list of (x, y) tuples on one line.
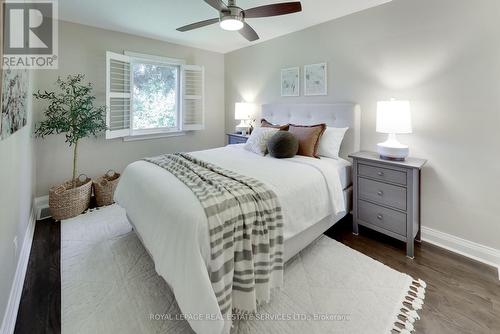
[(173, 227)]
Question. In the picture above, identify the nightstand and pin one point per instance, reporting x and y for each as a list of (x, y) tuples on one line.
[(386, 196), (235, 138)]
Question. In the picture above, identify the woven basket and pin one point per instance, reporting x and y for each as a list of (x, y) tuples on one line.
[(104, 188), (66, 201)]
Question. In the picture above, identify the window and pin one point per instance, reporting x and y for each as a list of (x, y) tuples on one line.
[(151, 96), (155, 93)]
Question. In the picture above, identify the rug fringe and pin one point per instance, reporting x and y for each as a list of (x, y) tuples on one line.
[(412, 302)]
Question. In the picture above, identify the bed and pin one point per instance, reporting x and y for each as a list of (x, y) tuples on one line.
[(314, 194)]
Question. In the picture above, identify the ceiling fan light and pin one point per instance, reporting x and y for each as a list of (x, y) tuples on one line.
[(231, 23)]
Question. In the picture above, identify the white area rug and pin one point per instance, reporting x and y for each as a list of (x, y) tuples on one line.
[(109, 285)]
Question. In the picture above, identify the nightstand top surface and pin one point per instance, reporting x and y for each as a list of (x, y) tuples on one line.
[(238, 135), (375, 157)]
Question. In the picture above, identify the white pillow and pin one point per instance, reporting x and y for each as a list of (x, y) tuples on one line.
[(257, 142), (329, 144)]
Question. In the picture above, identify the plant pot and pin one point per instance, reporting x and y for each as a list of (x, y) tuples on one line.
[(69, 199), (104, 188)]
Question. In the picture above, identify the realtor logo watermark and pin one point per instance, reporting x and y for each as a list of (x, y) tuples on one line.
[(30, 34)]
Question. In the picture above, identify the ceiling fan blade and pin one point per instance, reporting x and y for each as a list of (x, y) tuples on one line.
[(198, 25), (248, 33), (274, 10), (217, 4)]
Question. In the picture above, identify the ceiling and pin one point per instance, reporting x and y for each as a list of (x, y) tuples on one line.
[(158, 19)]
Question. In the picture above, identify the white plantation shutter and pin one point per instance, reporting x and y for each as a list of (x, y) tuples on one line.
[(193, 91), (118, 97)]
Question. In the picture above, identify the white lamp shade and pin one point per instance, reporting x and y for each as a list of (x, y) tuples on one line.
[(243, 111), (393, 117)]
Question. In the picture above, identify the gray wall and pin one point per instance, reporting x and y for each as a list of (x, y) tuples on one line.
[(83, 50), (444, 56), (16, 197)]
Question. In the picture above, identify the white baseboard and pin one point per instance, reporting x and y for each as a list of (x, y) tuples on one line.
[(475, 251), (9, 319)]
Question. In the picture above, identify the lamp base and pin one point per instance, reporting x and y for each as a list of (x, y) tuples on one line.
[(392, 149), (242, 127), (383, 157)]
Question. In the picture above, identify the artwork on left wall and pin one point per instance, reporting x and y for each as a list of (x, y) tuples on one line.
[(14, 101)]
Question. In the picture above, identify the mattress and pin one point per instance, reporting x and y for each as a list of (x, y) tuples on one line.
[(172, 225), (344, 169)]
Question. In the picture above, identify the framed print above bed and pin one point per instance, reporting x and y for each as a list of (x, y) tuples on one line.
[(290, 81), (315, 79)]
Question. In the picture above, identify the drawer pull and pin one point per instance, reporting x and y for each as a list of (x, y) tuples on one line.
[(380, 216), (380, 173), (380, 193)]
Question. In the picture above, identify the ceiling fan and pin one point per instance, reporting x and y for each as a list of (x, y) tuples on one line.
[(232, 17)]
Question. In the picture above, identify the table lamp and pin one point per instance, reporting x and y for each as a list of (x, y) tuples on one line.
[(243, 113), (393, 117)]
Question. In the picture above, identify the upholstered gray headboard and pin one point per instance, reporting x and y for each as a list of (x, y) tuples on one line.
[(335, 115)]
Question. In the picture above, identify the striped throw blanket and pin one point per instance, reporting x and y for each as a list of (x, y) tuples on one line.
[(246, 231)]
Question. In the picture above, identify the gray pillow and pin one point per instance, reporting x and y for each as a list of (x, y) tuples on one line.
[(283, 144)]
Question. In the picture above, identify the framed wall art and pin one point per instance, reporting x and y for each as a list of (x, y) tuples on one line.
[(315, 79), (290, 81)]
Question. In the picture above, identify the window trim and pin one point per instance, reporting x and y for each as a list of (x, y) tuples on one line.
[(154, 58), (155, 136), (192, 118), (141, 134)]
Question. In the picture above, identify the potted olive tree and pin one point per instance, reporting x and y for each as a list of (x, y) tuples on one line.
[(71, 112)]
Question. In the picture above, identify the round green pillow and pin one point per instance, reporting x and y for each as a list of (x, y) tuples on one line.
[(283, 144)]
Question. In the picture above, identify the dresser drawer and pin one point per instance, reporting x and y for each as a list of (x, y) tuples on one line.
[(387, 219), (382, 193), (383, 174)]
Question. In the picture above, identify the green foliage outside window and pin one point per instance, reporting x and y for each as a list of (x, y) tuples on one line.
[(154, 96)]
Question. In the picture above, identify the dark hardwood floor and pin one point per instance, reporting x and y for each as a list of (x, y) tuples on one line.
[(40, 307), (463, 296)]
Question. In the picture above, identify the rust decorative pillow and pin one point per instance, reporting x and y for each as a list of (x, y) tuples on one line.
[(266, 124), (308, 136)]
